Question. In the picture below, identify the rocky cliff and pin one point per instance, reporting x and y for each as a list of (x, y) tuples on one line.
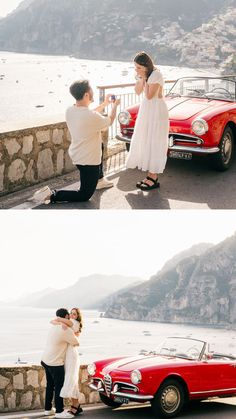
[(116, 30), (198, 290)]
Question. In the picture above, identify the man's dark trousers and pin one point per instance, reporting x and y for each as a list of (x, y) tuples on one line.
[(55, 379)]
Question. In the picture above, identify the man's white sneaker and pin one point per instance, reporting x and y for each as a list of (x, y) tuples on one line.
[(65, 415), (49, 412), (104, 183), (42, 195)]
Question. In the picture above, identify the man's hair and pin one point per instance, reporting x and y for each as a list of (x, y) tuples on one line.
[(79, 88), (62, 312)]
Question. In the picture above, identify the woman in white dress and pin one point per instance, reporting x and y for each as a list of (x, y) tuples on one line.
[(149, 145), (70, 387)]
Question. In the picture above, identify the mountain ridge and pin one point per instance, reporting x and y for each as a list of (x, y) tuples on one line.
[(86, 292), (116, 31), (198, 290)]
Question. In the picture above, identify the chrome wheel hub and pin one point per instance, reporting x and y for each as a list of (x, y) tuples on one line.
[(227, 148), (170, 399)]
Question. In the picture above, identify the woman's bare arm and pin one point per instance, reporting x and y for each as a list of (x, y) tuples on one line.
[(151, 89), (67, 322), (139, 86)]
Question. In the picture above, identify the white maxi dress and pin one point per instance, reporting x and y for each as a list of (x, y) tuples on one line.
[(149, 144), (70, 387)]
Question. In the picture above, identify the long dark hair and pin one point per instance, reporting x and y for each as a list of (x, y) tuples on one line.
[(79, 317), (142, 58)]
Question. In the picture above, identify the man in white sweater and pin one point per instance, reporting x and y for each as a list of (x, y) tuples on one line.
[(53, 362), (85, 126)]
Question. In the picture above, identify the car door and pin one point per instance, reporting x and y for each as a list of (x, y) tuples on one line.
[(215, 377)]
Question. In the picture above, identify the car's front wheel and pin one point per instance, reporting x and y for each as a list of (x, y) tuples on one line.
[(109, 402), (169, 399), (223, 159)]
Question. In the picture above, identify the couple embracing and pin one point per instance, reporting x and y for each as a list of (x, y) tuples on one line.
[(61, 362)]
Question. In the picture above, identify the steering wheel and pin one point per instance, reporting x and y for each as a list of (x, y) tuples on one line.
[(200, 92), (222, 89)]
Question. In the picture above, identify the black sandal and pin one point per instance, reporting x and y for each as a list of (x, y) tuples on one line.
[(74, 408), (78, 409), (146, 187), (139, 184)]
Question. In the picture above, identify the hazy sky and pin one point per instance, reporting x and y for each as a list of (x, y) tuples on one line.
[(54, 248), (6, 6)]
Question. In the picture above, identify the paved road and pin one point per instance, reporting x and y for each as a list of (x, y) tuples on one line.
[(184, 185), (203, 410)]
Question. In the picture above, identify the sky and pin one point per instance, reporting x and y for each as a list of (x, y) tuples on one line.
[(7, 6), (41, 249)]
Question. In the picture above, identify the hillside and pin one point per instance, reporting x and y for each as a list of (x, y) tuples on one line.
[(87, 292), (198, 290), (179, 32)]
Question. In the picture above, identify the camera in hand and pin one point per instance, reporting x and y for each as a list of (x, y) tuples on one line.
[(113, 98)]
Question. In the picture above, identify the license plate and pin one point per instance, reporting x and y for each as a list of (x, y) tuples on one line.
[(121, 400), (180, 155)]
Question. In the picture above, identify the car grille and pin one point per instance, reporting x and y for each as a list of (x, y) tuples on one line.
[(128, 131), (108, 384), (175, 138)]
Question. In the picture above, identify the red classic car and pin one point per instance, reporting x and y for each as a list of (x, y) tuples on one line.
[(202, 114), (181, 370)]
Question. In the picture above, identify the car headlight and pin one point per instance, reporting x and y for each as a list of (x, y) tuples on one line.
[(199, 126), (91, 368), (124, 118), (136, 376)]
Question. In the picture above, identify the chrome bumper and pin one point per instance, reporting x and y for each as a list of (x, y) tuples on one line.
[(93, 387), (194, 150), (123, 138), (132, 396), (137, 397)]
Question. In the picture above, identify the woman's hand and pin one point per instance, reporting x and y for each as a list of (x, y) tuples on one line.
[(55, 321), (64, 327)]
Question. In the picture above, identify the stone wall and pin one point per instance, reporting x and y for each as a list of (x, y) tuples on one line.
[(32, 155), (23, 388)]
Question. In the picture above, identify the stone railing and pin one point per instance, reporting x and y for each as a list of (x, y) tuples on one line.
[(31, 155), (22, 387)]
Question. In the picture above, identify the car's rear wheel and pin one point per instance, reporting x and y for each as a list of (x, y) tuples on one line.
[(224, 158), (169, 399), (109, 402)]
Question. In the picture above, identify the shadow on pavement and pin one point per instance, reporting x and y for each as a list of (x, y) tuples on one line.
[(201, 410), (184, 185)]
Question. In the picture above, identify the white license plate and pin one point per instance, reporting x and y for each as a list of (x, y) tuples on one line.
[(121, 400), (180, 155)]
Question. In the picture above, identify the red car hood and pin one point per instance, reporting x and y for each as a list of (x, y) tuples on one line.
[(182, 108), (139, 362)]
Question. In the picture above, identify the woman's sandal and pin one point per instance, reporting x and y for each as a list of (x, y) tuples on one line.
[(71, 411), (78, 410), (138, 184), (146, 187)]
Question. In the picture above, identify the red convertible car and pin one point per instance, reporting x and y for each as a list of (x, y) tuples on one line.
[(181, 370), (202, 114)]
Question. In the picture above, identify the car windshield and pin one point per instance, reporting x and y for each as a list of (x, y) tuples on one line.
[(182, 348), (204, 87)]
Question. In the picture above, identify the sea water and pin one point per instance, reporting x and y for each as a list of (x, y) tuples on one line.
[(23, 333), (36, 87)]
